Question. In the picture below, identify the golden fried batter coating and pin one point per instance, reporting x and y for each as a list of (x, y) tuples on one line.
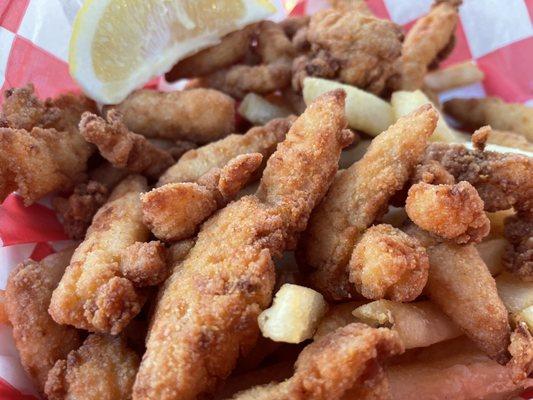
[(175, 211), (518, 256), (144, 264), (510, 139), (493, 111), (357, 197), (429, 36), (103, 368), (207, 310), (196, 115), (175, 148), (388, 263), (39, 340), (432, 172), (352, 47), (521, 350), (335, 365), (123, 148), (93, 294), (453, 212), (195, 163), (293, 24)]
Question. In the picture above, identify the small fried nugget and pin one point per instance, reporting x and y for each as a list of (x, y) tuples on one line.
[(123, 148), (493, 111), (144, 264), (103, 368), (518, 256), (388, 263), (521, 350), (175, 211), (195, 163), (196, 115), (430, 37), (93, 294), (357, 197), (40, 341), (333, 366), (453, 212)]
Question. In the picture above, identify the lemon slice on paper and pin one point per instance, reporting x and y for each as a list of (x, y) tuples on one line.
[(118, 45)]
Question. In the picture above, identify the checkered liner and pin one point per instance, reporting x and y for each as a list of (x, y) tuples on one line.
[(34, 34)]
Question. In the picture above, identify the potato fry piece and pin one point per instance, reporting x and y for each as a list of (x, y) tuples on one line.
[(497, 219), (388, 263), (294, 315), (492, 251), (334, 364), (526, 315), (419, 324), (93, 294), (259, 110), (357, 197), (516, 294), (195, 163), (208, 308), (364, 111), (39, 340), (179, 115), (454, 76), (103, 368), (493, 111)]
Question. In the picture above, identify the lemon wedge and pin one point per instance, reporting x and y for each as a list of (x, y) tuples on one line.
[(118, 45)]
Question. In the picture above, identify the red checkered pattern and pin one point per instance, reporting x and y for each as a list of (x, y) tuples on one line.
[(33, 48)]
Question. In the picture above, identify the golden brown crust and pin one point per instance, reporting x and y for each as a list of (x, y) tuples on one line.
[(521, 350), (39, 340), (510, 139), (144, 264), (518, 256), (388, 263), (432, 172)]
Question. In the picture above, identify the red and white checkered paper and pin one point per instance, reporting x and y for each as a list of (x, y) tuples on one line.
[(34, 34)]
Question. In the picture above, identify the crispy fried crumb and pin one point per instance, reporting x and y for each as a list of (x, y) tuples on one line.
[(144, 264)]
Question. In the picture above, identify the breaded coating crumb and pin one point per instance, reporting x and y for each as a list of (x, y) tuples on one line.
[(144, 264), (103, 368), (518, 256), (335, 365), (388, 263), (122, 148), (40, 341), (452, 212), (521, 350), (432, 172)]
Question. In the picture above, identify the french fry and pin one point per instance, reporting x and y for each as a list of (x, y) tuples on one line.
[(527, 316), (259, 110), (516, 294), (294, 314), (457, 75), (364, 111), (491, 251)]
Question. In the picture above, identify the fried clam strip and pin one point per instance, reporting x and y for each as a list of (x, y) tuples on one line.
[(352, 47), (38, 338), (357, 197), (195, 163), (518, 256), (492, 111), (430, 38), (207, 310), (123, 148), (196, 115), (452, 212), (388, 263), (103, 368), (175, 211), (510, 139), (275, 51), (95, 293), (341, 365)]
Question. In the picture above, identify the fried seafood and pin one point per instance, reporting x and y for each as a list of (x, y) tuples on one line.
[(103, 368), (452, 212), (175, 211), (343, 362), (207, 310), (518, 257), (357, 197), (510, 139), (93, 293), (196, 115), (123, 148), (195, 163), (351, 47), (388, 263), (38, 338), (144, 263)]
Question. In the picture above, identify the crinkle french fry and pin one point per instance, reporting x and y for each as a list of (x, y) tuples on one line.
[(457, 75), (259, 110)]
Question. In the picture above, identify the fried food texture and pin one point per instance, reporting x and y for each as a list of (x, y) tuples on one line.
[(357, 197), (103, 368), (195, 163), (388, 263), (123, 148), (518, 256), (335, 365), (175, 211), (510, 139), (452, 212), (196, 115), (38, 338), (426, 41), (207, 310), (93, 293), (352, 47), (144, 263), (521, 350)]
